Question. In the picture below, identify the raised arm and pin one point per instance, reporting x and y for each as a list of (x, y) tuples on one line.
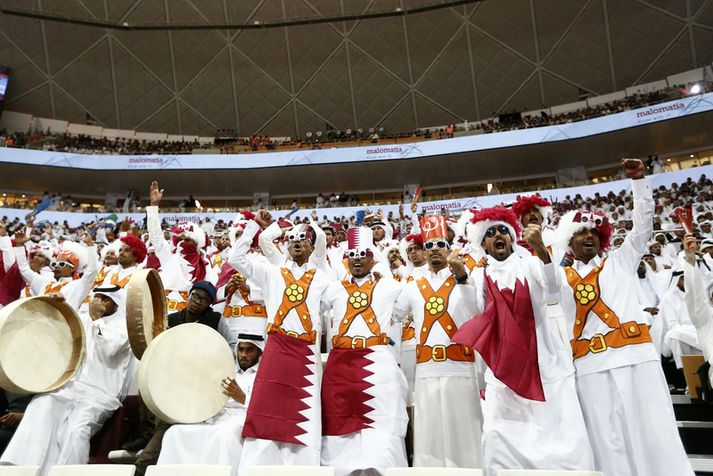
[(153, 224), (635, 243), (34, 280), (88, 277), (699, 309), (267, 241), (258, 272)]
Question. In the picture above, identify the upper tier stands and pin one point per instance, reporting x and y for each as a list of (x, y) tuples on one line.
[(25, 130)]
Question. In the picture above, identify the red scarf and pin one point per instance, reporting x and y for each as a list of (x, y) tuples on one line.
[(190, 252), (504, 335)]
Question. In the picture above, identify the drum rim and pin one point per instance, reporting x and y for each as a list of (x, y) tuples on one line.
[(76, 329), (138, 338)]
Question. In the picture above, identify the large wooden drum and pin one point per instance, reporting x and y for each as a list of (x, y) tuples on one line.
[(41, 345), (181, 371), (145, 309)]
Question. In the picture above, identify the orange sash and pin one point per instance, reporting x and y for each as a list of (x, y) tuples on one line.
[(436, 310), (295, 297), (175, 306), (360, 299), (587, 295), (249, 310)]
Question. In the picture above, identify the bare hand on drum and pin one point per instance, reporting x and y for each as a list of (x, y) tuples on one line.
[(232, 389), (11, 420)]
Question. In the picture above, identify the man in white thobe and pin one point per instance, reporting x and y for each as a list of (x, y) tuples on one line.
[(219, 440), (58, 426)]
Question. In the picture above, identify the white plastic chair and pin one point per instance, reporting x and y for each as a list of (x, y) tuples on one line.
[(93, 470), (19, 470), (546, 472), (434, 472), (189, 470), (289, 471)]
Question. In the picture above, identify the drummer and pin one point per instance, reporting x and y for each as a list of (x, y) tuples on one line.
[(57, 427), (219, 440), (199, 310)]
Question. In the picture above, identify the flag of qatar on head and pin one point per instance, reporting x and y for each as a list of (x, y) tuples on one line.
[(360, 238), (433, 226)]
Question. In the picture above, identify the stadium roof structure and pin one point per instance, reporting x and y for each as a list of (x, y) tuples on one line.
[(283, 67)]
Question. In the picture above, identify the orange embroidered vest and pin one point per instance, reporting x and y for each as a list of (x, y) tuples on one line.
[(587, 295), (295, 297), (360, 299), (436, 310)]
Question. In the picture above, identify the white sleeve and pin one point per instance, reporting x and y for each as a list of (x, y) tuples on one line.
[(259, 272), (86, 281), (635, 243), (108, 341), (34, 280), (697, 302), (267, 245), (8, 256), (159, 243)]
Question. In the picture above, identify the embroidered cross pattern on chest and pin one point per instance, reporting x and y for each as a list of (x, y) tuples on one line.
[(295, 293)]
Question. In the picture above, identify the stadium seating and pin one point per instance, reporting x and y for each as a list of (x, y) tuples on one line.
[(93, 470), (546, 472), (434, 472), (289, 471), (19, 470), (189, 470)]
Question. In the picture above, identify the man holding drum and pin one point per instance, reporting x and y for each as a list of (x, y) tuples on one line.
[(198, 310), (57, 426), (219, 440)]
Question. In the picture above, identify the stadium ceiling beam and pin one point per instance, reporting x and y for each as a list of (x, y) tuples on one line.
[(255, 25)]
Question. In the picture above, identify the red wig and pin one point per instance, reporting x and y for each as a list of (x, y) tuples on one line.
[(138, 247), (524, 204)]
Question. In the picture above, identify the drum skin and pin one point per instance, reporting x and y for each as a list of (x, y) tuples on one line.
[(181, 372), (145, 309), (42, 345)]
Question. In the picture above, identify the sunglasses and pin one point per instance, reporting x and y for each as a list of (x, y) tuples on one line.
[(429, 245), (60, 264), (297, 236), (358, 254), (502, 229)]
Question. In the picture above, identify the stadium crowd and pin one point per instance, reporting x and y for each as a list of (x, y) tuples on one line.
[(84, 144), (457, 317)]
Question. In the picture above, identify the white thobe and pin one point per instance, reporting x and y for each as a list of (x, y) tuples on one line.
[(613, 384), (215, 441), (446, 392), (681, 337), (524, 434), (270, 279), (381, 444), (699, 310), (58, 426)]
